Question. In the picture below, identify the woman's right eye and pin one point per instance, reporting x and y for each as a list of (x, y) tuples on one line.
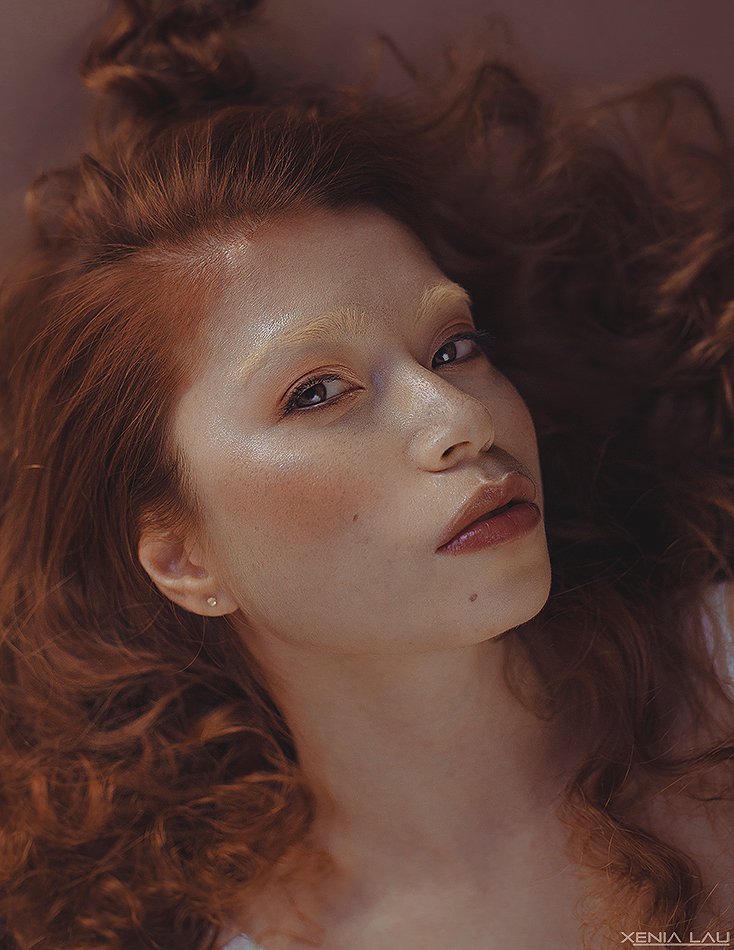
[(314, 388)]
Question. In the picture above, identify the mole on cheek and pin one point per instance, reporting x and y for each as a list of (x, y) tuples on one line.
[(473, 597), (355, 517)]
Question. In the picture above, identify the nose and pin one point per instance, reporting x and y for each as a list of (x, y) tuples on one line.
[(451, 425)]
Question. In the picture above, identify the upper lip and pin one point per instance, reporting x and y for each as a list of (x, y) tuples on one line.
[(488, 497)]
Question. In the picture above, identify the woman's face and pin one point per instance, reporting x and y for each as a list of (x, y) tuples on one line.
[(324, 504)]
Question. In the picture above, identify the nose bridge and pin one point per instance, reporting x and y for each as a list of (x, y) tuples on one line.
[(441, 421)]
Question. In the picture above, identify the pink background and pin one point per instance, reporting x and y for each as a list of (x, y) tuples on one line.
[(585, 43)]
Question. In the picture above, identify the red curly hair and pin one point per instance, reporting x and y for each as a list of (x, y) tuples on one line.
[(149, 785)]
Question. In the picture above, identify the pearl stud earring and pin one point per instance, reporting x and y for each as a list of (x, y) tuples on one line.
[(212, 601)]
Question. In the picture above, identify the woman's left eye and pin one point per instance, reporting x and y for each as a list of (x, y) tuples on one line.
[(453, 347), (315, 386)]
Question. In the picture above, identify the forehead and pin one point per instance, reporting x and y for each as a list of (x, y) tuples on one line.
[(303, 266)]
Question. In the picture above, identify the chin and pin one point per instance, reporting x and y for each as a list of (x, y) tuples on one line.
[(519, 601)]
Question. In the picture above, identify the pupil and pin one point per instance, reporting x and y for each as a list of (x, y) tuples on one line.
[(445, 360), (312, 389)]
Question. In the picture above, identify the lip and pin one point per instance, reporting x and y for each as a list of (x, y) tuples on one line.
[(490, 496)]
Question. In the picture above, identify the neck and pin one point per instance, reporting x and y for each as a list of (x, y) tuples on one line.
[(418, 761)]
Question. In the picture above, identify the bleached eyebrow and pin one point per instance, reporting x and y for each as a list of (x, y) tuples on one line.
[(348, 321), (439, 296)]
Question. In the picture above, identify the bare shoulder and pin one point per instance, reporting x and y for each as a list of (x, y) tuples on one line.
[(721, 708), (729, 601), (702, 829)]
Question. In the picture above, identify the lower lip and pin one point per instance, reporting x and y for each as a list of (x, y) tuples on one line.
[(495, 529)]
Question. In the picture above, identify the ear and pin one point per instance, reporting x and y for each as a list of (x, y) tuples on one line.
[(178, 570)]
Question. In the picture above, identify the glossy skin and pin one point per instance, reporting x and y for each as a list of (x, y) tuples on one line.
[(357, 491)]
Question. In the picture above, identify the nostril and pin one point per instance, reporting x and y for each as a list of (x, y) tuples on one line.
[(453, 448)]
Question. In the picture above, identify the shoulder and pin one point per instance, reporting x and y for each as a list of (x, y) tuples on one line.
[(702, 829), (717, 606), (727, 624), (704, 832), (718, 620)]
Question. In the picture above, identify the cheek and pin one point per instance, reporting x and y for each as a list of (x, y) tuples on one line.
[(298, 540), (514, 426), (271, 512), (524, 441)]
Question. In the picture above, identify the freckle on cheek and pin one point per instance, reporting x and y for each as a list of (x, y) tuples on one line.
[(473, 597), (354, 518)]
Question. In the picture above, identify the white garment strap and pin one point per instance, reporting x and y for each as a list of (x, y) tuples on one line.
[(241, 942), (727, 623), (720, 633)]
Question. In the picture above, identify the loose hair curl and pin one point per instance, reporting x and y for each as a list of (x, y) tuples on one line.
[(149, 785)]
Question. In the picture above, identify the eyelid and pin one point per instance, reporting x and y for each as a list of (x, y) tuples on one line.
[(480, 337)]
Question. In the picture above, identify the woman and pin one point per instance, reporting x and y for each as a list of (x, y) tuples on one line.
[(268, 356)]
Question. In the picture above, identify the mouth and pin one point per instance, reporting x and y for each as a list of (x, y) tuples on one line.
[(487, 516), (490, 501), (497, 511)]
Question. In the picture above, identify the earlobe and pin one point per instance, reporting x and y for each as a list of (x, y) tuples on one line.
[(179, 572)]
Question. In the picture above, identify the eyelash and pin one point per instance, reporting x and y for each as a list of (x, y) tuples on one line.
[(477, 336)]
